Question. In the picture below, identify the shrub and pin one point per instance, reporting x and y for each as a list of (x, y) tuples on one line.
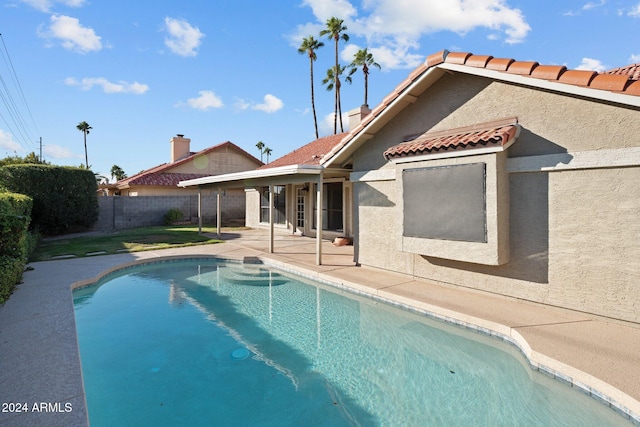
[(15, 244), (173, 215), (64, 198)]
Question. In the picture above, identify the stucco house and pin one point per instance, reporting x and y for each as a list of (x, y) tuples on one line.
[(143, 199), (184, 164), (505, 176)]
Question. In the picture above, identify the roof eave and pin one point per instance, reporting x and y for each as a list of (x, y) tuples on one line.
[(404, 99), (555, 86), (253, 175)]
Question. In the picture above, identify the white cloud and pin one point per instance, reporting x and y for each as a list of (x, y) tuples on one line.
[(8, 144), (593, 5), (270, 105), (393, 30), (324, 9), (205, 101), (325, 126), (88, 83), (58, 152), (72, 35), (592, 65), (634, 59), (183, 39), (634, 11), (45, 5)]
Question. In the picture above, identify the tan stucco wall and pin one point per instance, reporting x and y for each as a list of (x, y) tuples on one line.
[(218, 162), (573, 233)]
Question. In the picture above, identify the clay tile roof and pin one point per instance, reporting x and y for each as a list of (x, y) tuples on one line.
[(499, 64), (548, 72), (309, 154), (615, 82), (633, 88), (522, 67), (436, 58), (457, 57), (632, 71), (479, 61), (498, 133), (165, 179), (161, 176), (577, 77)]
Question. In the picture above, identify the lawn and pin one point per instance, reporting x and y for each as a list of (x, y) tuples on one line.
[(134, 240)]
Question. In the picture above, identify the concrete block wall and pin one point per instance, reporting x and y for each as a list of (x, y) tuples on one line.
[(118, 213)]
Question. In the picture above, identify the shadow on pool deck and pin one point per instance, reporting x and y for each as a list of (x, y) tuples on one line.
[(39, 360)]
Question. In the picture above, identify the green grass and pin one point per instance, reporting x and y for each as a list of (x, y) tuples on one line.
[(134, 240)]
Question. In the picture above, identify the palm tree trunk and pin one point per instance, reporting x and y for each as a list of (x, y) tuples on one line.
[(313, 100), (86, 156), (337, 90), (340, 108), (366, 89)]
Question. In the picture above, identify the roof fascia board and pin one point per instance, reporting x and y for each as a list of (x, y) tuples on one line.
[(407, 97), (586, 92), (254, 174)]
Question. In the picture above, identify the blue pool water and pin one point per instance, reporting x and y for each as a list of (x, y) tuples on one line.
[(208, 343)]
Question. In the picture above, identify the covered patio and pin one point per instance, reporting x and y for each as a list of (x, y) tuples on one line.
[(300, 174)]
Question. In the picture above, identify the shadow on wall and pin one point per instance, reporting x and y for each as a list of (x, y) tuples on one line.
[(528, 216), (369, 196)]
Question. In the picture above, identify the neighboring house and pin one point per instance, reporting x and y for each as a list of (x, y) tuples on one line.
[(155, 191), (163, 180), (504, 176)]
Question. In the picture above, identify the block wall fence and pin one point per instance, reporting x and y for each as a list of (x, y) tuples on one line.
[(120, 212)]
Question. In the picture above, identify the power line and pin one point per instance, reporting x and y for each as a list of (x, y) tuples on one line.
[(11, 106)]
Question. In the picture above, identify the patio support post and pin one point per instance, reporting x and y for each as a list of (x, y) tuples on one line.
[(319, 221), (199, 210), (271, 219), (218, 213)]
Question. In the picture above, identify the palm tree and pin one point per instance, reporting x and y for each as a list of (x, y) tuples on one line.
[(335, 30), (363, 59), (267, 151), (118, 173), (332, 80), (309, 46), (84, 128), (260, 146)]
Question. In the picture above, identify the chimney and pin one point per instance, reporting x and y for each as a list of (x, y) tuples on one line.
[(356, 116), (180, 147)]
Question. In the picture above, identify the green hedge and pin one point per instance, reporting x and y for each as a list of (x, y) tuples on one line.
[(15, 210), (64, 198)]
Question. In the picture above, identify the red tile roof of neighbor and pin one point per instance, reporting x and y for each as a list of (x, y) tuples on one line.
[(497, 133), (309, 154), (160, 175), (624, 80), (633, 71)]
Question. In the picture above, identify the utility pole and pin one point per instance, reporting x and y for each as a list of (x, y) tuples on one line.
[(40, 149)]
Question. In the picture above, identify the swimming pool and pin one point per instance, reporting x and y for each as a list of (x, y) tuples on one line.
[(209, 342)]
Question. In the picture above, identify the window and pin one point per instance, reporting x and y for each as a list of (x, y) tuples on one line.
[(279, 212), (445, 202), (331, 207)]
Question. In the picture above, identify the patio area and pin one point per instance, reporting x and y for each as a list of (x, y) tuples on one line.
[(40, 361)]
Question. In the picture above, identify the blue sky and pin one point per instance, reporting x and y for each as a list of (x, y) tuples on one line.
[(216, 71)]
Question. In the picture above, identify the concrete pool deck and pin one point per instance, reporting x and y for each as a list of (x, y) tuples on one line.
[(40, 364)]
